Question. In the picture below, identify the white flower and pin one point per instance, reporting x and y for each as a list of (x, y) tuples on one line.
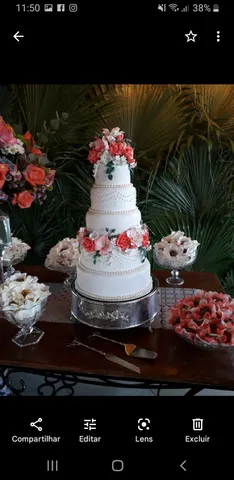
[(16, 251), (95, 169), (94, 235), (105, 131), (115, 132), (23, 295), (105, 157), (135, 235), (64, 254), (110, 138), (13, 149), (105, 143), (19, 278)]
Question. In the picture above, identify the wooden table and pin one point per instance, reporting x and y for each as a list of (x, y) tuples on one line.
[(178, 365)]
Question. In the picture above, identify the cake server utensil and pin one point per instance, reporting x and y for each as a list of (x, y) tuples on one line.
[(130, 349), (108, 356)]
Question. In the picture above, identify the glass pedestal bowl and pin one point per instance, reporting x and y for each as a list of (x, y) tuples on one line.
[(9, 262), (175, 265), (25, 320), (70, 271)]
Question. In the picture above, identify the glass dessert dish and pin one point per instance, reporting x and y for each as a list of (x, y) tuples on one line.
[(25, 320), (10, 261), (175, 264), (70, 271)]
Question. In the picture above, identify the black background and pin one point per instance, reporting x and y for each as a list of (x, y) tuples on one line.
[(117, 425), (112, 42), (108, 42)]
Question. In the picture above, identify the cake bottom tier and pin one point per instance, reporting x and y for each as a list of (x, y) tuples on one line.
[(112, 286)]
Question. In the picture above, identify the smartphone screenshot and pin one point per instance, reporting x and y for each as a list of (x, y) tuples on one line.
[(116, 239)]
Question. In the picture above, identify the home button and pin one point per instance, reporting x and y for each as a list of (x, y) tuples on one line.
[(117, 465)]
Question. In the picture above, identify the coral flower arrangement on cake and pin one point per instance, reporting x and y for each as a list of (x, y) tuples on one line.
[(24, 174), (106, 244), (205, 318), (111, 148)]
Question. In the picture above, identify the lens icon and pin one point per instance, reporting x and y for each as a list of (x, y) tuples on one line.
[(73, 7)]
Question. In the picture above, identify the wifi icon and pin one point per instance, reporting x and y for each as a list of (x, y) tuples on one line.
[(174, 7)]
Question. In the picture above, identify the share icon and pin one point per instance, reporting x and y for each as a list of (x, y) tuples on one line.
[(34, 424)]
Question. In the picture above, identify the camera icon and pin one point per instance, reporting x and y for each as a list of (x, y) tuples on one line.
[(73, 7)]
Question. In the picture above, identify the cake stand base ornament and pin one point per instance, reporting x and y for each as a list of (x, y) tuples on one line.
[(115, 315)]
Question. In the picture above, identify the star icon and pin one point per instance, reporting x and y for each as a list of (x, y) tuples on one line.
[(191, 36)]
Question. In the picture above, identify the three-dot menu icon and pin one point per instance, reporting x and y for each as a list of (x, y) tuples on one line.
[(218, 36)]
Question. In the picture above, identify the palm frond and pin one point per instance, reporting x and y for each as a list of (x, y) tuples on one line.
[(39, 104), (215, 237), (151, 115), (203, 183)]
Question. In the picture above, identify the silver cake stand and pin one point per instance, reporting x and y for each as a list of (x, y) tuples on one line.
[(116, 315)]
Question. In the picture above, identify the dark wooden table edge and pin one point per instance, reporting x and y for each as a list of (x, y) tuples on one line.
[(72, 378)]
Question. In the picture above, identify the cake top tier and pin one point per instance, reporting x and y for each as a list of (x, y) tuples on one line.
[(112, 149)]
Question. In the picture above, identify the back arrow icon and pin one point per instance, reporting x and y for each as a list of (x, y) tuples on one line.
[(182, 465), (17, 36)]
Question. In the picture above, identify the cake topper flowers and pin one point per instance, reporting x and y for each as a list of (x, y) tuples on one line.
[(111, 148)]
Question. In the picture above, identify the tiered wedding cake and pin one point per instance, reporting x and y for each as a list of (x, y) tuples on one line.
[(112, 264)]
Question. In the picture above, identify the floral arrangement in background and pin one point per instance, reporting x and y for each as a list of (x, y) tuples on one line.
[(63, 255), (103, 245), (205, 317), (111, 148), (17, 251), (24, 174), (21, 293)]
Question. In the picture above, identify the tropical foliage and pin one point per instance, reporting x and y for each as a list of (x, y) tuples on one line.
[(184, 136)]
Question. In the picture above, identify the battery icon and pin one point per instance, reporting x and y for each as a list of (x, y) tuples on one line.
[(215, 8)]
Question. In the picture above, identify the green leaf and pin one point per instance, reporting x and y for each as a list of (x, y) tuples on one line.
[(31, 158), (54, 123), (110, 177), (43, 160), (65, 116), (42, 138)]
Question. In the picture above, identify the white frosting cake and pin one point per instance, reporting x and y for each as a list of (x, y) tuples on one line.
[(112, 263)]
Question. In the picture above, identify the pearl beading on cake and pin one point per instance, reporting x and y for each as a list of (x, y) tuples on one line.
[(119, 212), (121, 298), (92, 270), (115, 197), (126, 185)]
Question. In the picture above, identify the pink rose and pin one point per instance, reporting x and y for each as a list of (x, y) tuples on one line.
[(103, 245), (81, 234), (88, 244), (135, 237), (93, 156), (113, 148), (128, 153), (123, 241), (6, 134), (145, 240), (49, 178), (99, 145), (120, 137), (116, 148)]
